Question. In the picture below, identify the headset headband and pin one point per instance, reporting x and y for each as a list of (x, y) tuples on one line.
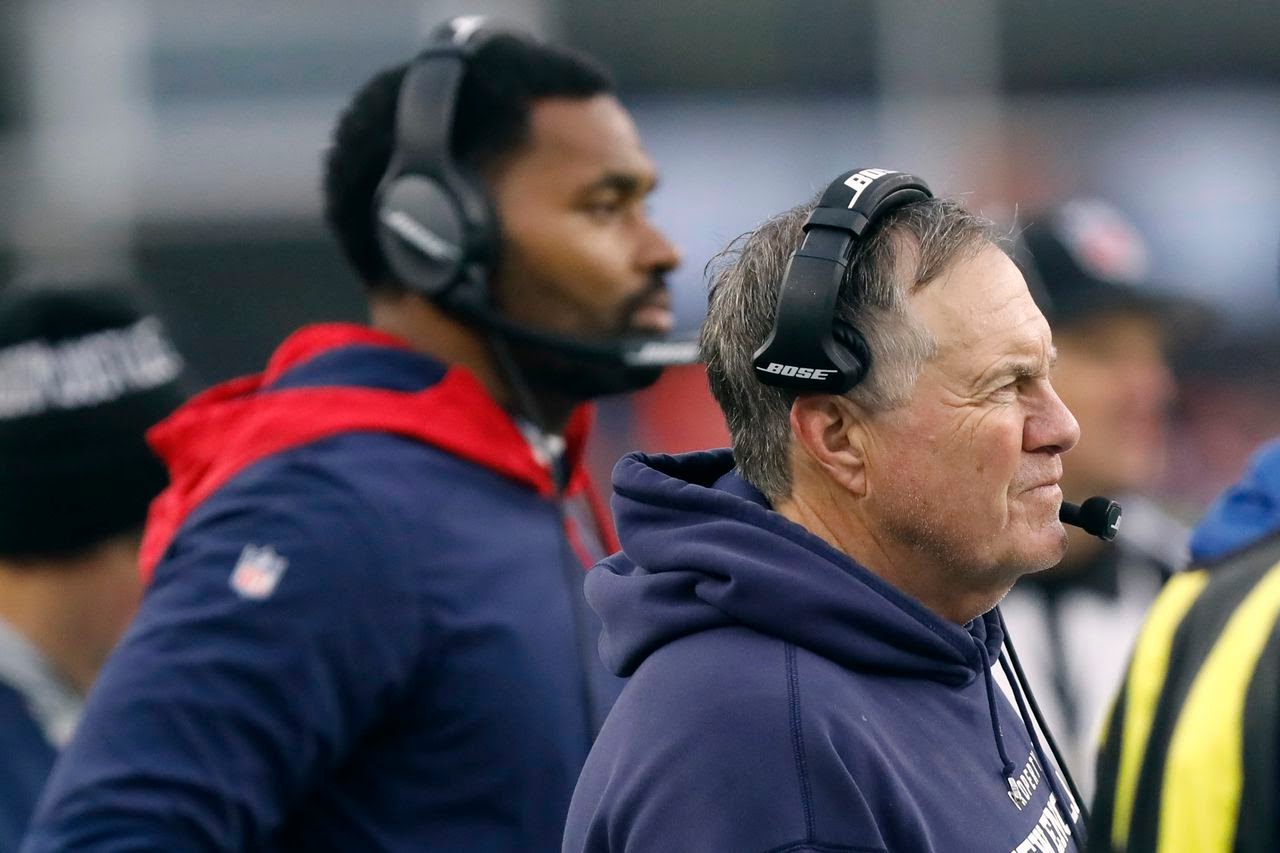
[(429, 96), (808, 350)]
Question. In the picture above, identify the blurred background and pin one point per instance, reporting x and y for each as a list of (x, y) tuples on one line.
[(179, 141)]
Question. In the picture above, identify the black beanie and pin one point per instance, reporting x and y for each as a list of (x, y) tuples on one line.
[(84, 372)]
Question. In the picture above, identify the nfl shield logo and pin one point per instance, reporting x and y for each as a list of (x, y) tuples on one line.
[(257, 572)]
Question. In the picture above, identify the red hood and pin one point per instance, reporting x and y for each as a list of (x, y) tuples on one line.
[(233, 425)]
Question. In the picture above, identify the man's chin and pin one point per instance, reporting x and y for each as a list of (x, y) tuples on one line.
[(1049, 550)]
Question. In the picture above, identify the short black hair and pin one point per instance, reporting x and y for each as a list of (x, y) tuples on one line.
[(503, 80)]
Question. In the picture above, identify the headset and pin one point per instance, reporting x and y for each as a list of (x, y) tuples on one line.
[(809, 349), (436, 224)]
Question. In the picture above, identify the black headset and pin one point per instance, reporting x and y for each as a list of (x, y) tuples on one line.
[(436, 225), (809, 349)]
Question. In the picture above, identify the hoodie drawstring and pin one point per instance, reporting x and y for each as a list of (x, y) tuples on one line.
[(1008, 767), (1035, 724), (1050, 770)]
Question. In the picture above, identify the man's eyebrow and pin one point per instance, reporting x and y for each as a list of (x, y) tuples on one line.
[(1022, 369), (624, 183), (1018, 367)]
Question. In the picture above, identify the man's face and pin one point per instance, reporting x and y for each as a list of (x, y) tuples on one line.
[(966, 471), (580, 256), (1113, 375)]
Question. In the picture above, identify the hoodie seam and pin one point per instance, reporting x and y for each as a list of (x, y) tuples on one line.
[(797, 739), (820, 847)]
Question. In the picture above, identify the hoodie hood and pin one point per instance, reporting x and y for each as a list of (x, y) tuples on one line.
[(702, 549), (330, 379), (1244, 513)]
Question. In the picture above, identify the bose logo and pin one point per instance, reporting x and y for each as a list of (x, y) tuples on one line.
[(797, 372), (428, 242), (859, 181), (663, 354)]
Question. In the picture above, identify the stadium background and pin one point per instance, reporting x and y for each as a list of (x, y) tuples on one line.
[(179, 141)]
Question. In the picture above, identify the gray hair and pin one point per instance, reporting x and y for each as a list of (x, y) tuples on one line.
[(911, 247)]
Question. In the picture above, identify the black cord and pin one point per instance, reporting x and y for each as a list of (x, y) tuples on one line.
[(1038, 716), (526, 404)]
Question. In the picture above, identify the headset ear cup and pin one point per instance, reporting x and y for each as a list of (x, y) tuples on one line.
[(421, 232), (850, 339), (807, 349)]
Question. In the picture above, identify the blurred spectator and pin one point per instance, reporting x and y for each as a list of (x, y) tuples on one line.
[(83, 373), (1073, 625)]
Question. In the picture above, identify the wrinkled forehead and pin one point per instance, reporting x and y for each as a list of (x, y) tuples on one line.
[(981, 307)]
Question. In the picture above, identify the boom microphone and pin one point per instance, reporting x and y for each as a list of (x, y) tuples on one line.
[(637, 353), (1098, 516), (567, 365)]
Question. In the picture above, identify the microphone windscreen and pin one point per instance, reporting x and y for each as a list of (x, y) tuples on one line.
[(1097, 516), (1101, 517)]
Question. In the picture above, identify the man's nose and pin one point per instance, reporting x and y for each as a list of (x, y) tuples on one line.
[(1053, 429), (657, 253)]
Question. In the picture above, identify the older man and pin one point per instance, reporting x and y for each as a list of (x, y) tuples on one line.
[(808, 622)]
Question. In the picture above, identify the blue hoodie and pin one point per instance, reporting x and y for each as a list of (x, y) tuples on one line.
[(1244, 513), (363, 631), (783, 698)]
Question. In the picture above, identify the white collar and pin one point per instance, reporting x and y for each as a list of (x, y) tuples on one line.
[(548, 448)]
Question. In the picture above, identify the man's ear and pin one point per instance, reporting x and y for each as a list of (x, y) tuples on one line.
[(829, 435)]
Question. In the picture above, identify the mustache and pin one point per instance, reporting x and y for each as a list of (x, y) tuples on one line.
[(656, 290), (1052, 474)]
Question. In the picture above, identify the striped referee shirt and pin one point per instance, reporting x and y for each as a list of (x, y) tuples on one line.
[(1190, 757)]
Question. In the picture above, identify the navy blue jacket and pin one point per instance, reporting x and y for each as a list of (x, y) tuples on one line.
[(364, 642), (26, 757), (783, 698)]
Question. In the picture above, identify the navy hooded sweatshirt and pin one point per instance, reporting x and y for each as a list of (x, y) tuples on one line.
[(360, 634), (783, 698)]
